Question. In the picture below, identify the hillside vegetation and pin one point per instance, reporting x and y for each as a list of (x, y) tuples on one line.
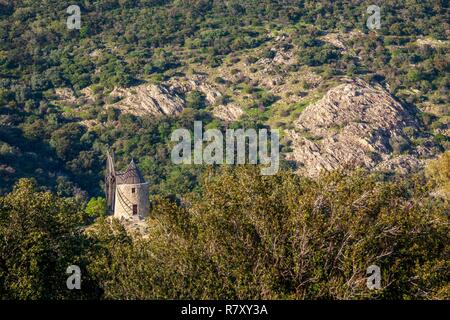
[(363, 117), (254, 63)]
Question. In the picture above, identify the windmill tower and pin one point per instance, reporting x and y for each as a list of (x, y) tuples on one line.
[(126, 191)]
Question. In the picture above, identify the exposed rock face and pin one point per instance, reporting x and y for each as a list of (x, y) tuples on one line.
[(65, 94), (354, 124), (335, 40), (432, 42), (274, 70), (228, 113), (339, 40), (164, 99), (148, 99), (196, 83), (402, 164)]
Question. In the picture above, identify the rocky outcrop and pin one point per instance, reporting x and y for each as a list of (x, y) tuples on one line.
[(196, 83), (273, 71), (229, 112), (65, 94), (148, 99), (402, 164), (354, 125), (164, 99), (432, 42), (339, 40)]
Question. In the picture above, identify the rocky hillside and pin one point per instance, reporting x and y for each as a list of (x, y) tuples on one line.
[(148, 99), (356, 124), (329, 116)]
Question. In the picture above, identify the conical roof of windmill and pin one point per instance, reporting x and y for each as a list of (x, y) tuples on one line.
[(131, 175)]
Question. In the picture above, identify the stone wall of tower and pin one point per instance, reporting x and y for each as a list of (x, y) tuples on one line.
[(139, 197)]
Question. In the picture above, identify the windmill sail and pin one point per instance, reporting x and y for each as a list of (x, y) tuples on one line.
[(110, 182)]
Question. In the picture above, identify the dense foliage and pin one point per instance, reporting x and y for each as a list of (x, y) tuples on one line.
[(245, 236), (39, 238)]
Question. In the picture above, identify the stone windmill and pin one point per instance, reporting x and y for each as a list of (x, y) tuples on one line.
[(126, 191)]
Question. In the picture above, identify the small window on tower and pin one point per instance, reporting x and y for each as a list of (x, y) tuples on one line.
[(133, 190), (134, 209)]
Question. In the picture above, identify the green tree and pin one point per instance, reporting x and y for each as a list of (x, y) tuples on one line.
[(40, 237), (438, 171), (96, 207), (66, 140), (195, 100)]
